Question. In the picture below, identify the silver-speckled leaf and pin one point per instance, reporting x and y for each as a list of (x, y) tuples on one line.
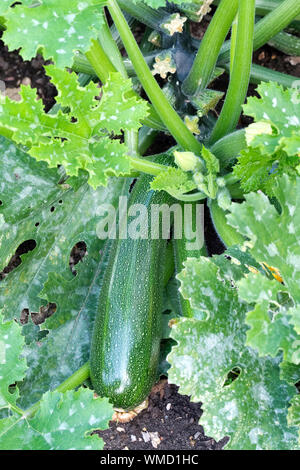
[(252, 409)]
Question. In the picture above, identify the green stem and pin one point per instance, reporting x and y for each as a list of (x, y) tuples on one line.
[(286, 43), (99, 61), (268, 27), (209, 49), (74, 381), (132, 142), (111, 49), (229, 147), (227, 234), (277, 20), (240, 76), (167, 114), (199, 196), (146, 138), (263, 7), (233, 42), (263, 74), (147, 166), (81, 63), (145, 14)]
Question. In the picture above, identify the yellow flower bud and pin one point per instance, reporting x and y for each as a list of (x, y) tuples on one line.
[(187, 161)]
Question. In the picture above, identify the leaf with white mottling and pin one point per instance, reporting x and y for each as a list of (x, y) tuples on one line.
[(36, 208), (281, 109), (294, 413), (273, 139), (273, 236), (118, 109), (79, 137), (58, 28), (63, 421), (67, 345), (272, 331), (252, 409), (12, 367)]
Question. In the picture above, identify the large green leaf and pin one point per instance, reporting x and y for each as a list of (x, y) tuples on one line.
[(58, 28), (12, 367), (294, 413), (56, 219), (26, 185), (252, 409), (273, 236), (63, 422), (273, 140), (5, 5), (79, 138), (280, 108)]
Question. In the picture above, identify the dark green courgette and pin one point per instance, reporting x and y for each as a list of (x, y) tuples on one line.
[(127, 331)]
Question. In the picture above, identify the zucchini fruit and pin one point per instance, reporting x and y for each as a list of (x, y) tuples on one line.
[(126, 337)]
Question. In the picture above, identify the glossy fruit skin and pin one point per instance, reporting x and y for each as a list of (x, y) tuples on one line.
[(127, 331)]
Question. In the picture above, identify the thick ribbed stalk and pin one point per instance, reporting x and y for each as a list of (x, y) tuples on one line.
[(239, 79), (268, 27), (166, 112), (228, 148), (263, 74), (111, 49), (227, 234), (145, 14), (99, 61), (286, 43), (209, 49)]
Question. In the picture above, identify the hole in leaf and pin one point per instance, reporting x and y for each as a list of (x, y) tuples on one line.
[(15, 260), (232, 376), (132, 185), (37, 224), (77, 254), (60, 201), (1, 203), (45, 312), (52, 209), (38, 317)]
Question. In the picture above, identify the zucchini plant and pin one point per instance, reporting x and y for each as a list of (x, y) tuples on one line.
[(233, 340)]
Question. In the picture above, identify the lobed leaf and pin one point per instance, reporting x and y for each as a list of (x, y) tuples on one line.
[(252, 409), (57, 28), (77, 136), (281, 108), (63, 421), (12, 366), (175, 181), (273, 140), (273, 236)]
